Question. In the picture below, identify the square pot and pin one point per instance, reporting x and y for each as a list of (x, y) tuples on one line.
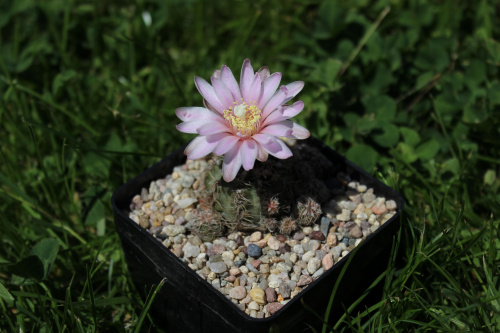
[(187, 303)]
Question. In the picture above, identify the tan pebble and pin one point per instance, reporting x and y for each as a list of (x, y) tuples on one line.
[(262, 243), (255, 237), (175, 175), (331, 240), (379, 209), (327, 261), (196, 184), (360, 208), (273, 243), (235, 271), (237, 251), (254, 305), (280, 298), (391, 205), (236, 282), (170, 219), (258, 295)]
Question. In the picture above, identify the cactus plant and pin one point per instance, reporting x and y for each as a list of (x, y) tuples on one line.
[(289, 199)]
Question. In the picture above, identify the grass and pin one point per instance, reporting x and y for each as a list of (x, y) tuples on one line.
[(408, 90)]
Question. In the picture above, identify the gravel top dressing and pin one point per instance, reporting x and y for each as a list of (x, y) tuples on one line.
[(259, 270)]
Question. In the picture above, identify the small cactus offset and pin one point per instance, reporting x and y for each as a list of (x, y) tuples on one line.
[(272, 206), (207, 225), (270, 223), (288, 225), (308, 211)]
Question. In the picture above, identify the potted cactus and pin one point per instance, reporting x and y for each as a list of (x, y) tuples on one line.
[(252, 221)]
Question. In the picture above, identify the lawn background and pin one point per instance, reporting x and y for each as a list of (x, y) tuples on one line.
[(408, 90)]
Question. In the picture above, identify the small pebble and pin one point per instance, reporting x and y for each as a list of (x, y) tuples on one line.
[(327, 261), (271, 295), (285, 290), (317, 235), (272, 308), (254, 251), (255, 237), (258, 295)]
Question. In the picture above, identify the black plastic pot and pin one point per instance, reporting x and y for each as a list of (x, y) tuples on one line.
[(187, 303)]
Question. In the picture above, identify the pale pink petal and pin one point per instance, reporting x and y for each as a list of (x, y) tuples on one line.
[(193, 126), (208, 93), (282, 128), (225, 144), (274, 117), (246, 78), (262, 154), (277, 148), (210, 107), (274, 102), (230, 82), (264, 73), (196, 113), (262, 138), (268, 142), (216, 73), (254, 91), (248, 153), (269, 87), (299, 132), (212, 128), (293, 89), (232, 163), (222, 92), (199, 148), (295, 109)]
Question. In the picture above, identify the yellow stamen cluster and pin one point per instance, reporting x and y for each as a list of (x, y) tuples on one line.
[(244, 118)]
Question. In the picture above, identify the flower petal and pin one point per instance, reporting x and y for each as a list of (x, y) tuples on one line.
[(212, 128), (299, 132), (208, 93), (264, 73), (293, 89), (282, 128), (193, 126), (275, 101), (210, 107), (232, 163), (230, 82), (269, 87), (262, 138), (295, 109), (277, 148), (199, 148), (195, 113), (216, 73), (225, 144), (262, 154), (246, 78), (274, 117), (248, 152), (223, 93), (253, 93)]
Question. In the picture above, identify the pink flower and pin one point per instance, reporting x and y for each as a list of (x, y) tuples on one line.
[(242, 122)]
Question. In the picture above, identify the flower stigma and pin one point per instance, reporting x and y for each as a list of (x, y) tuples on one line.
[(244, 118)]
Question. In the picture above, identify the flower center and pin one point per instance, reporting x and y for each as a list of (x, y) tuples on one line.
[(244, 118)]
